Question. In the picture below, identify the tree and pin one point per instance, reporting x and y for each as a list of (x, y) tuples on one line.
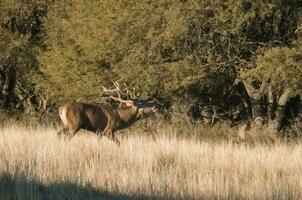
[(21, 36)]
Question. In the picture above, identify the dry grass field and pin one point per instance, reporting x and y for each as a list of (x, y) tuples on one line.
[(34, 164)]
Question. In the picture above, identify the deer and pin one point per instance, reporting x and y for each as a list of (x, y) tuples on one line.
[(102, 118)]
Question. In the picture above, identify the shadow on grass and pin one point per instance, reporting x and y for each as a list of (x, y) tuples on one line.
[(20, 188)]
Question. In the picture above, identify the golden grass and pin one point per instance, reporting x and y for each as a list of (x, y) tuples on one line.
[(34, 164)]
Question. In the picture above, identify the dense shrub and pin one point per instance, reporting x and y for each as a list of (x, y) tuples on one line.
[(186, 51)]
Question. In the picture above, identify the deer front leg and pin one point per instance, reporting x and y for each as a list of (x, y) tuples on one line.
[(99, 133), (109, 133), (113, 138)]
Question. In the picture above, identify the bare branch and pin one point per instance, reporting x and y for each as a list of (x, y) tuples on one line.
[(128, 92), (43, 102)]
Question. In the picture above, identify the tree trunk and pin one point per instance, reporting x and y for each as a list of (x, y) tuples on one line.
[(271, 107), (9, 83), (246, 98), (282, 101), (256, 96)]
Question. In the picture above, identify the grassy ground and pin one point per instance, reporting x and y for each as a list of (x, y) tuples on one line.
[(34, 164)]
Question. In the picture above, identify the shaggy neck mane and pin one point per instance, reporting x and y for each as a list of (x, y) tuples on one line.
[(127, 116)]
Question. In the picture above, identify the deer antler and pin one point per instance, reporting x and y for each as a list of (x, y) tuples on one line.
[(119, 93), (129, 92), (116, 89), (125, 91)]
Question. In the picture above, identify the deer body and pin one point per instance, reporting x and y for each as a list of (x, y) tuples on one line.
[(102, 118), (99, 118), (78, 115)]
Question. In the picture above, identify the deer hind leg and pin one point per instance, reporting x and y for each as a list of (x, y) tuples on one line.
[(62, 131), (71, 132), (66, 133)]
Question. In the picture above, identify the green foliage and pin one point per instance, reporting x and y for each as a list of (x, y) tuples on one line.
[(8, 40), (163, 46), (188, 50), (280, 68)]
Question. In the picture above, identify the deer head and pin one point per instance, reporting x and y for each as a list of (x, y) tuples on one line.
[(132, 108)]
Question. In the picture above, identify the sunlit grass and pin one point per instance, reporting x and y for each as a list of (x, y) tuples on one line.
[(34, 164)]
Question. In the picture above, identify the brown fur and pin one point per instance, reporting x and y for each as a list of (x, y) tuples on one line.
[(100, 118)]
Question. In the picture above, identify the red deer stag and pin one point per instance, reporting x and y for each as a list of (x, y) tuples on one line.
[(102, 118)]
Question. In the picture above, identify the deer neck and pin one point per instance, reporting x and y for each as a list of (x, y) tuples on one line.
[(126, 117)]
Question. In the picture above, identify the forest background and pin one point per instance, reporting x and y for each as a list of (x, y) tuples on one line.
[(234, 61)]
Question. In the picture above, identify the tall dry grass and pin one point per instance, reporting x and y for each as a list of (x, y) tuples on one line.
[(34, 164)]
